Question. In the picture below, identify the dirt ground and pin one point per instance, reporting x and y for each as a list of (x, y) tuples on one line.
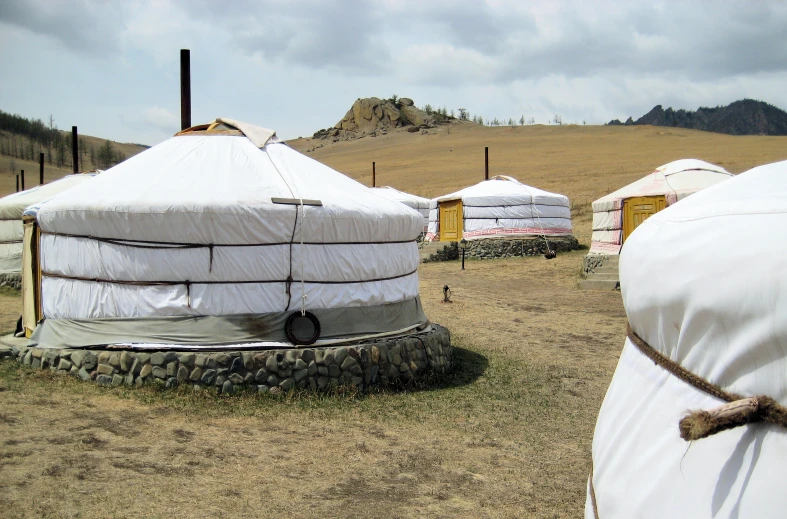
[(507, 434)]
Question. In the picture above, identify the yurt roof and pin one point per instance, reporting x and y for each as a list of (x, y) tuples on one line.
[(503, 191), (224, 183), (12, 206), (411, 200), (680, 176)]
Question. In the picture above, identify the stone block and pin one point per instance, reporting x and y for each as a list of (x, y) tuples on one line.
[(159, 372), (103, 357), (196, 374), (105, 369), (146, 371), (64, 364), (104, 380), (237, 365), (182, 374), (77, 357), (117, 379), (312, 368), (209, 377), (299, 364), (222, 359), (299, 374), (248, 360), (172, 369), (271, 365), (307, 356), (287, 384), (235, 378), (340, 355), (187, 359), (114, 360), (157, 358)]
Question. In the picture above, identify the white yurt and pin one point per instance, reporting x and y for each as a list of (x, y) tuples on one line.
[(500, 206), (416, 202), (221, 235), (11, 209), (704, 290), (617, 214)]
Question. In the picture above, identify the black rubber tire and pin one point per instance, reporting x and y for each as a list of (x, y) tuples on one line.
[(291, 336)]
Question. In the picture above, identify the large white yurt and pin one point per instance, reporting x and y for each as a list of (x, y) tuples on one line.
[(705, 293), (11, 209), (216, 237), (416, 202), (616, 215), (500, 206)]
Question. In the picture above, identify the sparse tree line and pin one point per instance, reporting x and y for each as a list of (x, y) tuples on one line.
[(22, 138)]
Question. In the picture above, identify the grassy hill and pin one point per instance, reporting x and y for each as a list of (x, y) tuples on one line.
[(10, 167), (582, 162)]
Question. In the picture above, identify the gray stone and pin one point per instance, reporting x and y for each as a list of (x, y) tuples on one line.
[(334, 371), (104, 380), (271, 365), (312, 383), (220, 379), (172, 369), (248, 360), (299, 375), (322, 370), (157, 359), (105, 369), (74, 370), (322, 382), (227, 388), (356, 381), (222, 359), (170, 356), (209, 377), (319, 356), (211, 362), (139, 382), (64, 364), (248, 378), (171, 382), (397, 359), (287, 384), (286, 372), (103, 357), (77, 357), (36, 363), (261, 375), (300, 364), (187, 359), (117, 379), (223, 371), (183, 373), (273, 380), (28, 358), (114, 360), (159, 372), (83, 374), (262, 389), (307, 356), (237, 365), (328, 358), (201, 360), (129, 379), (196, 374), (37, 353), (143, 358), (340, 355), (312, 368), (236, 378), (135, 367), (351, 365), (146, 371), (290, 356)]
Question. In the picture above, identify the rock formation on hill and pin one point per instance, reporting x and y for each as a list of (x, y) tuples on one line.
[(746, 117), (373, 116)]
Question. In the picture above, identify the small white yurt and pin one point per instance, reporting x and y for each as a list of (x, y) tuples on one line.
[(418, 203), (500, 206), (706, 312), (221, 235), (11, 209), (616, 215)]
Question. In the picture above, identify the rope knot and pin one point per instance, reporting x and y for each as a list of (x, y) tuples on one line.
[(701, 424)]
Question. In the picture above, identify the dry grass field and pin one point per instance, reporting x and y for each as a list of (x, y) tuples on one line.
[(506, 434)]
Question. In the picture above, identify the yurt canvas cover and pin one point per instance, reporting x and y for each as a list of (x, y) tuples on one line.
[(418, 203), (214, 237), (11, 209), (665, 186), (500, 206), (716, 308)]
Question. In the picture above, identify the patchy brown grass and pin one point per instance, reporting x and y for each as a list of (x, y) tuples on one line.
[(507, 434)]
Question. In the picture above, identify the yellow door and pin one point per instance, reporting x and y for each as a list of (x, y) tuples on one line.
[(451, 220), (637, 210)]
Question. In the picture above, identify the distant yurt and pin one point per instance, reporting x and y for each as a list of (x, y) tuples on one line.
[(11, 209), (616, 215), (499, 207), (418, 203), (221, 235), (694, 421)]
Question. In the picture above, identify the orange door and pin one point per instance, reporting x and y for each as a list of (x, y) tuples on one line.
[(637, 210), (451, 220)]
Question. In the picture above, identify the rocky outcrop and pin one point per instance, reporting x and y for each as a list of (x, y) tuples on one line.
[(372, 116)]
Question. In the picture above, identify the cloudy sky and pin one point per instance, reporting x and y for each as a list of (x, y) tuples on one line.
[(111, 67)]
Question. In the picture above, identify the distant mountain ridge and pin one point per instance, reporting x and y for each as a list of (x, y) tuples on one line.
[(746, 117)]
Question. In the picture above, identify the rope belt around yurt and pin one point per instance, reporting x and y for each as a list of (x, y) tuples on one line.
[(700, 424)]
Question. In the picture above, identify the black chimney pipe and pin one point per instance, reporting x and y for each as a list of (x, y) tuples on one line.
[(486, 162), (185, 89), (41, 168), (374, 175), (22, 177), (74, 152), (17, 183)]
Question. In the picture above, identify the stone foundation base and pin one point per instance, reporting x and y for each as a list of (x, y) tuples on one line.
[(592, 262), (378, 363), (11, 280), (514, 247)]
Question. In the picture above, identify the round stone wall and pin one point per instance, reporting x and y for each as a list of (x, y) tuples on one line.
[(490, 248), (11, 280), (592, 262), (378, 363)]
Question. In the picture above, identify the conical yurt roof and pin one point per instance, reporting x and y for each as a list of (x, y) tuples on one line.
[(714, 308), (408, 199), (504, 191), (225, 220)]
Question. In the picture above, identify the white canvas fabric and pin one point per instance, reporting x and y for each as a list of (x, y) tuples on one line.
[(675, 180), (695, 294), (418, 203), (11, 209), (504, 206), (189, 228)]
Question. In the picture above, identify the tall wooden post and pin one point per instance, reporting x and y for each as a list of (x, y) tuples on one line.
[(41, 168), (17, 183), (74, 153), (22, 177), (486, 162), (374, 175), (185, 89)]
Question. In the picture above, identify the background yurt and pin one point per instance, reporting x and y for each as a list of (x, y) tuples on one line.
[(502, 217), (223, 237), (416, 202), (693, 423)]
